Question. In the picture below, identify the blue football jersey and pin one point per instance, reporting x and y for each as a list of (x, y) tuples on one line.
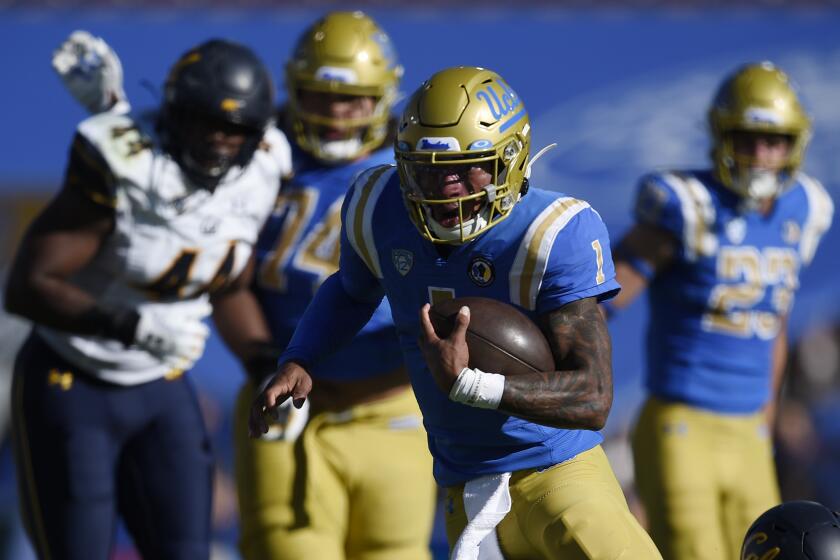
[(298, 248), (551, 250), (715, 312)]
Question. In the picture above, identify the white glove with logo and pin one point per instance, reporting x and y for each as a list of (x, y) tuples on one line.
[(91, 72), (176, 338)]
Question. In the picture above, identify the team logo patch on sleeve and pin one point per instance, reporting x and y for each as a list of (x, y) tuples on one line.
[(736, 230), (403, 260), (791, 232), (481, 271)]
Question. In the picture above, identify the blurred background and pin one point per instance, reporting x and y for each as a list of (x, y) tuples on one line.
[(622, 88)]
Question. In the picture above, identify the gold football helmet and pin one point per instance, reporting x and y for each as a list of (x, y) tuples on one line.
[(464, 126), (348, 54), (756, 98)]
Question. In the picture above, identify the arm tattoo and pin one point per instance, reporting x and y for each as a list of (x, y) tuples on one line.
[(579, 394)]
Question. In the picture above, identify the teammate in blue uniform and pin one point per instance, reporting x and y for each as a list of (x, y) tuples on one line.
[(519, 454), (339, 489), (721, 251)]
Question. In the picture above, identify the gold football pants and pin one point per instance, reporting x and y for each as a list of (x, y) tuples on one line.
[(572, 511), (703, 478), (356, 485)]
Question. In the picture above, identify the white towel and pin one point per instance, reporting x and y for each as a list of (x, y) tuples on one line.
[(486, 502)]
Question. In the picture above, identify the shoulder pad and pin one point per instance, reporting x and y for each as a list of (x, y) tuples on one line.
[(818, 218), (274, 150), (358, 217)]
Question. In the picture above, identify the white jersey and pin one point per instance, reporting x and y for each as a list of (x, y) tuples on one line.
[(172, 243)]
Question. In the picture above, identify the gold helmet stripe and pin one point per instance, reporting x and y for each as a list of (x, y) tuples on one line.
[(532, 257), (366, 191)]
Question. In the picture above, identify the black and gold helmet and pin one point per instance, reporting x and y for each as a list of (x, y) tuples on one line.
[(463, 116), (219, 81), (756, 98), (797, 530), (345, 53)]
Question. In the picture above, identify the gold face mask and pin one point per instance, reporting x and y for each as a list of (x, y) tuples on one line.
[(759, 99), (462, 150), (345, 54)]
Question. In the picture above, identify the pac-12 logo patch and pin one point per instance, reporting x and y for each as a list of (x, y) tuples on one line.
[(403, 260), (481, 271)]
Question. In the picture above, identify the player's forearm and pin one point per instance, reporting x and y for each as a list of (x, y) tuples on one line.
[(53, 302), (578, 395), (240, 322), (332, 319), (778, 366), (577, 399)]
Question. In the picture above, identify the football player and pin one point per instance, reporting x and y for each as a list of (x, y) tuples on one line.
[(797, 530), (156, 221), (455, 217), (721, 250), (339, 492)]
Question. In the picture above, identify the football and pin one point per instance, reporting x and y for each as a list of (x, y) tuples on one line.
[(501, 339)]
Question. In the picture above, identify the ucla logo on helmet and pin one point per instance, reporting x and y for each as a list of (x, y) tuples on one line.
[(387, 48), (503, 105), (439, 144), (403, 260), (481, 271)]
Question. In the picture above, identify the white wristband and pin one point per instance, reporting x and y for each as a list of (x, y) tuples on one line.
[(477, 388)]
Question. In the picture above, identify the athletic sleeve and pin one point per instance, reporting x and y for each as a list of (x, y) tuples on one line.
[(89, 174), (579, 263), (342, 306), (657, 204)]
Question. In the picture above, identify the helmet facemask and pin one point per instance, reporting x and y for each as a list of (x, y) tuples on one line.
[(206, 148), (452, 198), (338, 139)]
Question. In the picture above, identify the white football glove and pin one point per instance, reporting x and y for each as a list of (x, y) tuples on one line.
[(287, 422), (176, 338), (91, 72)]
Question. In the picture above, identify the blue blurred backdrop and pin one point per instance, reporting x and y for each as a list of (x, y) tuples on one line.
[(620, 91)]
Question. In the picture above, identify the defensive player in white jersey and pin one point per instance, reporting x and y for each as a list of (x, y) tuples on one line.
[(721, 250), (520, 456), (340, 491), (155, 221)]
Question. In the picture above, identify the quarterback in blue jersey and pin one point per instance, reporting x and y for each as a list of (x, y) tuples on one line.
[(721, 251), (326, 482), (518, 455)]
